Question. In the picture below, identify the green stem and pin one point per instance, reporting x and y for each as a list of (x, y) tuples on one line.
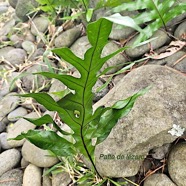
[(160, 16), (84, 4), (89, 156)]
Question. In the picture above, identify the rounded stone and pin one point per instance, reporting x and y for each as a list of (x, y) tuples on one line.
[(32, 176), (162, 38), (47, 181), (158, 180), (3, 9), (155, 113), (4, 51), (177, 164), (34, 82), (13, 3), (16, 40), (17, 114), (23, 7), (37, 156), (16, 56), (40, 24), (8, 104), (180, 31), (28, 46), (13, 177), (66, 39), (3, 141), (61, 179), (7, 85), (24, 163), (160, 152), (7, 27), (20, 126), (8, 160), (3, 125)]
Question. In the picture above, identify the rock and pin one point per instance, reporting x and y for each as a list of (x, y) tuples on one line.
[(117, 61), (46, 179), (16, 56), (67, 38), (13, 177), (16, 40), (3, 9), (27, 35), (4, 51), (171, 61), (35, 82), (6, 84), (24, 163), (181, 31), (23, 7), (8, 160), (37, 156), (147, 125), (39, 52), (162, 38), (16, 114), (7, 27), (146, 166), (40, 24), (158, 180), (56, 86), (21, 125), (61, 179), (177, 19), (177, 164), (3, 124), (31, 172), (28, 46), (160, 152), (13, 3), (24, 36), (100, 94), (3, 141), (82, 44), (7, 104), (125, 32)]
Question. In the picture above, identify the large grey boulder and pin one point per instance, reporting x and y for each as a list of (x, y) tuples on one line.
[(147, 125)]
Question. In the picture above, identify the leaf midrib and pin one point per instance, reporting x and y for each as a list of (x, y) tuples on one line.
[(83, 100)]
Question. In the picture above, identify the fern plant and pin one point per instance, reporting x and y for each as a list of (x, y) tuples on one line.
[(75, 109), (154, 13)]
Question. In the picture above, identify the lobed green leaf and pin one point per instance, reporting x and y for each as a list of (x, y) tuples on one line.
[(48, 140)]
